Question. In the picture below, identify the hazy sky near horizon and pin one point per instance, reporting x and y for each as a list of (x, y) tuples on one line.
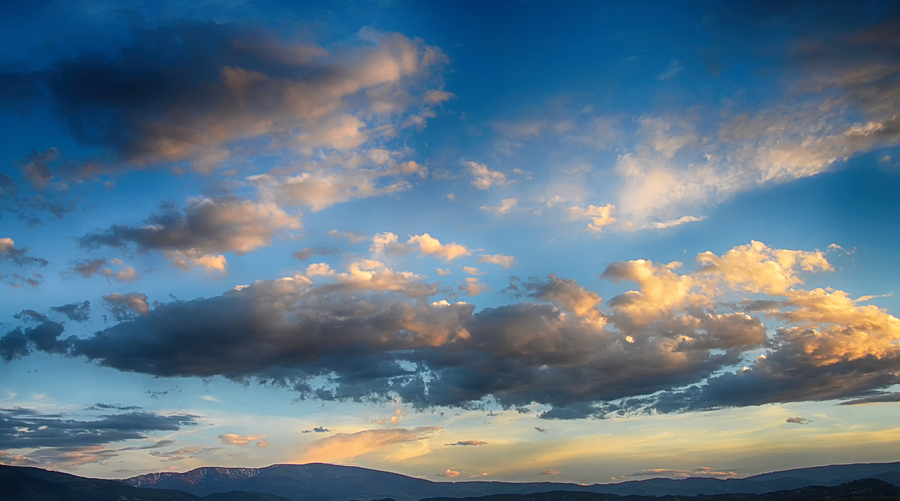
[(528, 241)]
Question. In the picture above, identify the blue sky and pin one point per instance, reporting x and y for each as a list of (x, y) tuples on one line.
[(588, 243)]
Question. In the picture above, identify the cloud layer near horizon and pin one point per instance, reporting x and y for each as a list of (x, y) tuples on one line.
[(662, 348)]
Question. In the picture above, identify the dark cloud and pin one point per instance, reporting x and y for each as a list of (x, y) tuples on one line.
[(31, 316), (76, 312), (376, 336), (87, 267), (874, 398), (13, 345), (117, 407), (378, 344), (44, 337), (185, 91), (17, 280), (26, 429), (304, 254), (18, 256), (205, 227), (318, 429), (797, 420)]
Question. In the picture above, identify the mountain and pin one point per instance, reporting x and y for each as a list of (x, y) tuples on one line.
[(325, 482), (869, 489), (35, 484)]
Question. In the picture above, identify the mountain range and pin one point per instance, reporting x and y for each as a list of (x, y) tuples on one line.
[(326, 482)]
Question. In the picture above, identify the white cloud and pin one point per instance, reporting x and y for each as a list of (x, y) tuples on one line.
[(484, 178), (499, 259), (505, 206), (429, 245)]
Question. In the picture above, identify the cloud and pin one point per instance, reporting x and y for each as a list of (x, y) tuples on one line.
[(449, 473), (317, 429), (505, 206), (76, 312), (304, 254), (191, 91), (29, 429), (343, 446), (106, 407), (471, 270), (470, 442), (428, 245), (797, 420), (184, 453), (353, 238), (89, 267), (498, 259), (839, 100), (196, 235), (671, 223), (874, 398), (567, 295), (125, 306), (19, 257), (240, 440), (473, 286), (701, 472), (443, 271), (674, 67), (438, 96), (484, 178), (674, 344), (541, 430), (550, 472)]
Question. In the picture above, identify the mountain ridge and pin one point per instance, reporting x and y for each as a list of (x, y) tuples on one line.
[(327, 482)]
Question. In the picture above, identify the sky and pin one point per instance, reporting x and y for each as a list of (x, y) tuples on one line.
[(526, 241)]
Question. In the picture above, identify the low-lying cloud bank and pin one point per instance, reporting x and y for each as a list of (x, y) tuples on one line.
[(680, 342)]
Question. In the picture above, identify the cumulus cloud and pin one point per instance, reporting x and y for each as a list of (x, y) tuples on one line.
[(449, 473), (90, 267), (676, 343), (473, 286), (482, 177), (199, 233), (599, 216), (344, 446), (428, 245)]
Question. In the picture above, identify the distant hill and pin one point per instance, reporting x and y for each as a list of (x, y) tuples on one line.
[(869, 489), (33, 484), (326, 482)]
